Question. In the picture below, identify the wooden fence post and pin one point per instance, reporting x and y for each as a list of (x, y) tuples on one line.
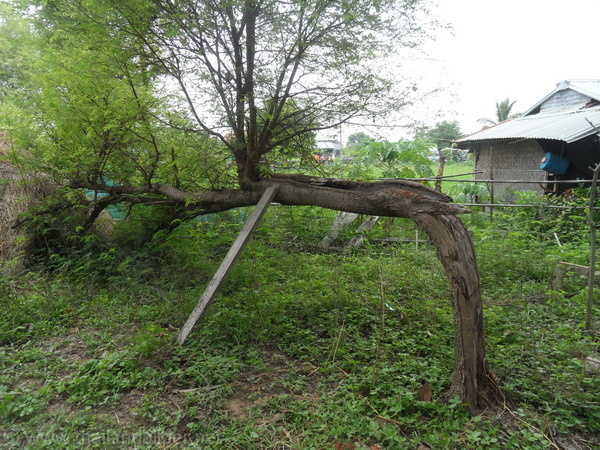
[(592, 222)]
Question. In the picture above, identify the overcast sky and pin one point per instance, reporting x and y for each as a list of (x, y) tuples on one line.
[(517, 49)]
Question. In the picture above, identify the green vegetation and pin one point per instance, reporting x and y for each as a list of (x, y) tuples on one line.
[(383, 159), (442, 134), (177, 110), (302, 349)]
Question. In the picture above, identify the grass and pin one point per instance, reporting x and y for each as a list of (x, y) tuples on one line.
[(302, 349), (463, 168)]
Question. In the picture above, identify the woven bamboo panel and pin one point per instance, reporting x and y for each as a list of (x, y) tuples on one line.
[(503, 160)]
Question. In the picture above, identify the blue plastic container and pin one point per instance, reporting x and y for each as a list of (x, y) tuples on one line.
[(553, 163)]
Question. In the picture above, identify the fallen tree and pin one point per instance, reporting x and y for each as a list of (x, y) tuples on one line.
[(254, 81), (431, 210)]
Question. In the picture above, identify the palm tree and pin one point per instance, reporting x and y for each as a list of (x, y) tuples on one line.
[(503, 112)]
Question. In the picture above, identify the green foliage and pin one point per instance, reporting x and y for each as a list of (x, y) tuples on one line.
[(124, 95), (96, 113), (403, 159), (100, 118), (99, 381), (302, 348), (150, 340), (469, 193), (30, 313), (126, 102), (17, 54), (358, 140), (22, 404), (567, 216), (442, 134)]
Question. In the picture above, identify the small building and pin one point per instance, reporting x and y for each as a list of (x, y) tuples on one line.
[(328, 149), (555, 139)]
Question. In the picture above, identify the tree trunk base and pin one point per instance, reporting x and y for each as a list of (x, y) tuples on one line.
[(472, 380)]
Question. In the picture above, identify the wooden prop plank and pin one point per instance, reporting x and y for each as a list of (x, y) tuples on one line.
[(364, 227), (234, 252), (582, 272), (343, 220)]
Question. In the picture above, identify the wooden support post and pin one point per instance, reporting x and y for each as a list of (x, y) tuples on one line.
[(364, 227), (492, 185), (234, 252), (440, 175), (560, 271), (343, 220), (591, 279), (584, 273)]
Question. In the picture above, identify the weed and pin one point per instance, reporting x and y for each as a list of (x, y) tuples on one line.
[(301, 349), (21, 404), (99, 381)]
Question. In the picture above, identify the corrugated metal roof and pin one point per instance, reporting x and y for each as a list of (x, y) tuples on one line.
[(569, 127), (589, 88)]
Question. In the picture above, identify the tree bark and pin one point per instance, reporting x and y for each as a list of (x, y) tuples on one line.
[(472, 380), (392, 198), (433, 211)]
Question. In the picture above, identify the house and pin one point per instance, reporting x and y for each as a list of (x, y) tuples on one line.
[(328, 149), (555, 139)]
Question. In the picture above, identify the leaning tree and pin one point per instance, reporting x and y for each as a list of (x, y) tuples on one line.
[(180, 104)]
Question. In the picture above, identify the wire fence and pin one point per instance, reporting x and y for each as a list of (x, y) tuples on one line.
[(453, 179)]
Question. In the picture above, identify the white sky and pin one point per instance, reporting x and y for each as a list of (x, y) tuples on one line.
[(517, 49)]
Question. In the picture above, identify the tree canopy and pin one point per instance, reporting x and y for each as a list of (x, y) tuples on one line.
[(357, 140), (183, 104), (442, 134), (402, 159), (177, 104), (124, 90)]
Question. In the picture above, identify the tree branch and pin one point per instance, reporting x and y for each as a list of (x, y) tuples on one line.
[(393, 198)]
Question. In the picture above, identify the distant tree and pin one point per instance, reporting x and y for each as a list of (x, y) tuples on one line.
[(402, 159), (503, 112), (358, 140), (442, 134)]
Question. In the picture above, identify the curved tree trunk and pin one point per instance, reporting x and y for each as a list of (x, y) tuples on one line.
[(430, 209), (472, 380)]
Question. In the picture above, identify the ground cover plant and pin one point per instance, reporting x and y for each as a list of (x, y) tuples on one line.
[(304, 348)]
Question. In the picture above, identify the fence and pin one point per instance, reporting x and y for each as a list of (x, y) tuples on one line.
[(452, 179)]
